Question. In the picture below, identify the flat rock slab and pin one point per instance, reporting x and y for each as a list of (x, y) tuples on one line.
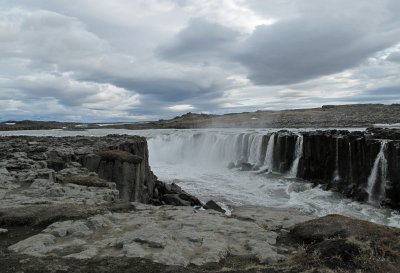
[(272, 219), (165, 234)]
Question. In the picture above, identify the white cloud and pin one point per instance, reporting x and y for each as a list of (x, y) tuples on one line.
[(181, 107)]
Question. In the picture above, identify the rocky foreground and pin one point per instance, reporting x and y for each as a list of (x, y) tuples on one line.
[(84, 204)]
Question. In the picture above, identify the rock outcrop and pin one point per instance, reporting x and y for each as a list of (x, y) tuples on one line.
[(337, 241), (79, 170)]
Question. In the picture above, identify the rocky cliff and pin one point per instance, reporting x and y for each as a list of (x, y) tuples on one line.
[(51, 165), (361, 165)]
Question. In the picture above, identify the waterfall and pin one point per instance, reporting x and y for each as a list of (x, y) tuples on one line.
[(210, 148), (297, 155), (254, 149), (378, 177), (350, 164), (269, 155), (336, 175)]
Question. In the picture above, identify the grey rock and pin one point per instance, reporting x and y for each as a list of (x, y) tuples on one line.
[(214, 206), (169, 235), (55, 192), (271, 218), (246, 166)]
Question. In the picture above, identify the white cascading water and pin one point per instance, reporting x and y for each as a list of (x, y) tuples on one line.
[(350, 162), (269, 155), (254, 149), (378, 175), (297, 156), (336, 175)]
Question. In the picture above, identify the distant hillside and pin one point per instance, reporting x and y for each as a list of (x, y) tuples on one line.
[(34, 125), (355, 115)]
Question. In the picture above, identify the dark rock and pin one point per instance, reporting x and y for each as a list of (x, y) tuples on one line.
[(174, 199), (123, 156), (214, 206), (231, 165), (56, 165), (246, 166), (89, 181), (342, 161), (172, 194)]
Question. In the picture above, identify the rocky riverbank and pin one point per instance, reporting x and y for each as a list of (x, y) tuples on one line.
[(84, 204)]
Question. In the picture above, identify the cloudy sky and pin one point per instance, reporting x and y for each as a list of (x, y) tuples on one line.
[(132, 60)]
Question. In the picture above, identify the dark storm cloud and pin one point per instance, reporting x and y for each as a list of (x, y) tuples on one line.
[(49, 86), (199, 39), (300, 49), (168, 90)]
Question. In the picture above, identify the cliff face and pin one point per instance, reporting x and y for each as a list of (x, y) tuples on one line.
[(125, 163), (361, 165), (122, 160)]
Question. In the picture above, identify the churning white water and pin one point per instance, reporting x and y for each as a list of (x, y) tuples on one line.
[(197, 160)]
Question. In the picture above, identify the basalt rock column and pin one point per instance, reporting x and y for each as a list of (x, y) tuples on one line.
[(125, 163)]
